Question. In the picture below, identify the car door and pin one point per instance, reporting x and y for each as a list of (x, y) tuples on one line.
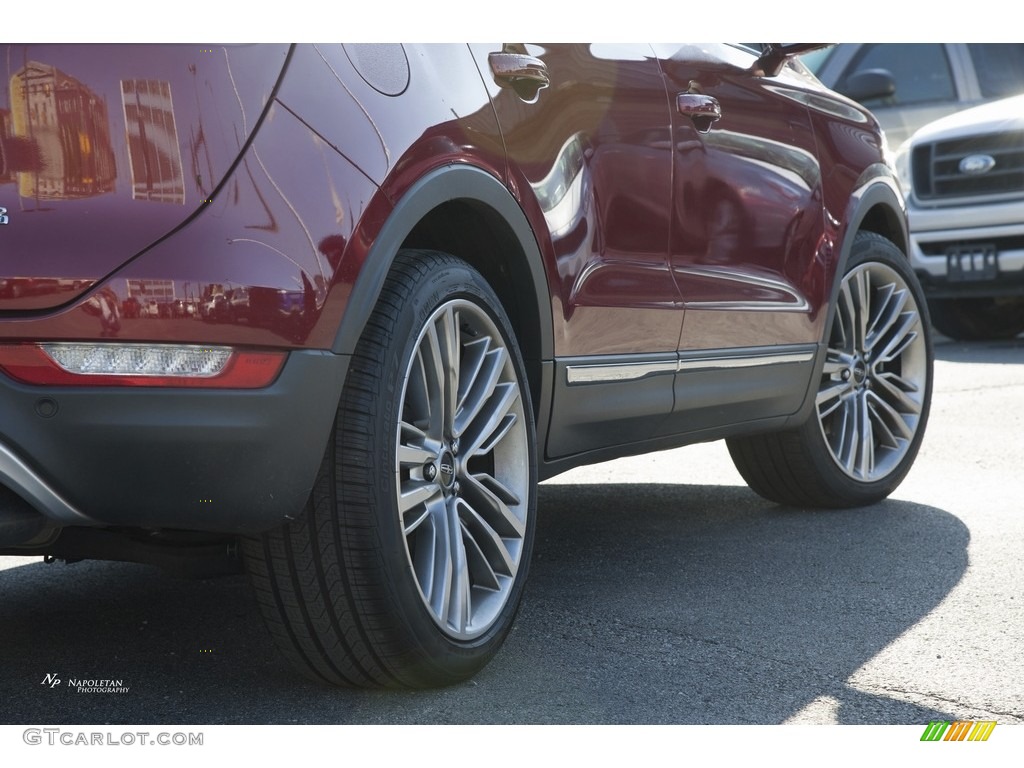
[(746, 230), (589, 158)]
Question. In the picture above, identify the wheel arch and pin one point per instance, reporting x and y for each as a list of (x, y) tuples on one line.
[(465, 211), (875, 205)]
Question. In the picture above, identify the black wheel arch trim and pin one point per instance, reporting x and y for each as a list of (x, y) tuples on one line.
[(876, 190), (442, 185)]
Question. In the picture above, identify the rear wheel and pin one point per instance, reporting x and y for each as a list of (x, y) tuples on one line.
[(408, 565), (872, 400), (978, 319)]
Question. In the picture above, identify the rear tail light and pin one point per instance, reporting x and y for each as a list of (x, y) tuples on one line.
[(73, 364)]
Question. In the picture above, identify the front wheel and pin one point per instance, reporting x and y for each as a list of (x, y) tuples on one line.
[(408, 566), (872, 400)]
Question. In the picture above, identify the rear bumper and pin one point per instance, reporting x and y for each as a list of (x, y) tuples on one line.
[(235, 461)]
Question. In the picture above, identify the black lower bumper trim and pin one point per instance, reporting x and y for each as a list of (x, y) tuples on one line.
[(233, 461)]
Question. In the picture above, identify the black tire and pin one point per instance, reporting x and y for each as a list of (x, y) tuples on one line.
[(357, 591), (827, 462), (978, 319)]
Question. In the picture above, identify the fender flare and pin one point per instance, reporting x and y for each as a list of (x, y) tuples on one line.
[(876, 187), (452, 182)]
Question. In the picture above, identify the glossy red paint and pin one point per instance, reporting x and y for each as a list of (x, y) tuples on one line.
[(638, 216), (110, 147), (747, 203), (590, 162)]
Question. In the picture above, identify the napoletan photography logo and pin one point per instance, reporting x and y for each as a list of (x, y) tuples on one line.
[(85, 685)]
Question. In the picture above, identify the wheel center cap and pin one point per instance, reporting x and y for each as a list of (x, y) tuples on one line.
[(860, 372), (446, 469)]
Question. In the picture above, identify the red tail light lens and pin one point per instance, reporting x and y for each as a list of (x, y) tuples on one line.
[(73, 364)]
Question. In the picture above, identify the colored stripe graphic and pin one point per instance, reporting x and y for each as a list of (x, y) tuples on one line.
[(959, 730), (982, 730)]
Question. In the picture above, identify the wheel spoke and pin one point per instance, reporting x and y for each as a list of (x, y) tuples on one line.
[(480, 389), (903, 335), (430, 510), (458, 600), (415, 493), (893, 389), (491, 419), (449, 334), (473, 355), (896, 423), (493, 508), (500, 490), (842, 332), (432, 561), (849, 434), (418, 405), (890, 303), (862, 309), (831, 398), (836, 361), (414, 455), (483, 575), (442, 364), (487, 541), (866, 438)]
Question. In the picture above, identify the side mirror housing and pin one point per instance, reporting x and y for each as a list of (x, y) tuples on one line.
[(869, 84)]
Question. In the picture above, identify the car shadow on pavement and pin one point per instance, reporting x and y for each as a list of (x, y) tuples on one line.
[(646, 603)]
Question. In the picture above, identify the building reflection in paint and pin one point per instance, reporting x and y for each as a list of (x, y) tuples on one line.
[(153, 152), (66, 125)]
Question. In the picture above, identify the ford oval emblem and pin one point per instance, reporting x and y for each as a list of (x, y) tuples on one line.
[(975, 164)]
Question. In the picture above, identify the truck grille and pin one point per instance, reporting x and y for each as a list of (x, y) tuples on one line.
[(936, 170)]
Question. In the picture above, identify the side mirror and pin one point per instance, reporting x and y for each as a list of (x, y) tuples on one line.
[(775, 55), (869, 84)]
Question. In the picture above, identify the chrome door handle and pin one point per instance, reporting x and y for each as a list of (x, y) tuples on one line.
[(703, 110), (524, 74), (509, 67)]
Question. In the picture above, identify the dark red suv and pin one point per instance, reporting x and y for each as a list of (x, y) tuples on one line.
[(334, 311)]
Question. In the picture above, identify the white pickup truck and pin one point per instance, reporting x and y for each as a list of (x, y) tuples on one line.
[(964, 179)]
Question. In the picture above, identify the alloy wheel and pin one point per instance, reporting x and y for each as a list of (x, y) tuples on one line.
[(462, 475), (874, 382)]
